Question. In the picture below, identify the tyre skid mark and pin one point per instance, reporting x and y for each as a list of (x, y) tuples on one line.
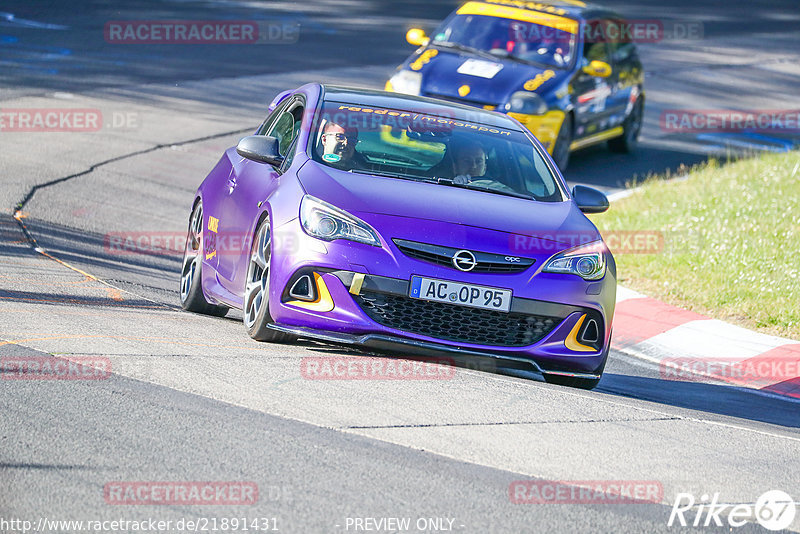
[(167, 341), (114, 293), (502, 423), (82, 302)]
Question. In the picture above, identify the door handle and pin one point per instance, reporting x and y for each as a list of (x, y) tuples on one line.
[(231, 184)]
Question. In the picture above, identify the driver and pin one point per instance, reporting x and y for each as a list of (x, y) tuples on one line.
[(339, 147), (469, 162)]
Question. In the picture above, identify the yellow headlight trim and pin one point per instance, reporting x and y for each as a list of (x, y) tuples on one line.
[(324, 302), (572, 339)]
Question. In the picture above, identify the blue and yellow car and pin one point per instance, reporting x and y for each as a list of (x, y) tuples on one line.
[(566, 70)]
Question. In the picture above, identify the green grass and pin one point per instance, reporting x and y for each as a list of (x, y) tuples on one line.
[(731, 241)]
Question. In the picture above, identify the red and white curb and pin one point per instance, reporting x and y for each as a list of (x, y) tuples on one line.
[(690, 346)]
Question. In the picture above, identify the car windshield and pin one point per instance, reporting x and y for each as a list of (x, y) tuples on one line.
[(534, 37), (433, 148)]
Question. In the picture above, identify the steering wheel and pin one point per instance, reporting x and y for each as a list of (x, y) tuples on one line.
[(490, 183)]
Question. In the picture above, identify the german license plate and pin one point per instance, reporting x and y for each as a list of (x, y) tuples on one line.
[(487, 298)]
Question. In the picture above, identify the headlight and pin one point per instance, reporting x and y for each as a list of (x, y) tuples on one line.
[(323, 221), (406, 82), (527, 103), (588, 262)]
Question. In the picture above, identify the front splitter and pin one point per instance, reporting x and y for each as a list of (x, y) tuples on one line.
[(425, 348)]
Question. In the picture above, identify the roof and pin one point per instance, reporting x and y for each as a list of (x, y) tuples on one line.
[(574, 9), (430, 106)]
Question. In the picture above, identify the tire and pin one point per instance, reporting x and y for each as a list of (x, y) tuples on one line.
[(256, 315), (575, 382), (626, 143), (191, 288), (561, 146)]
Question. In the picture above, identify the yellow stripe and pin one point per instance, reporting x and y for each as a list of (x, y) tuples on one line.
[(355, 285), (524, 15), (113, 292), (596, 138), (572, 339), (324, 302)]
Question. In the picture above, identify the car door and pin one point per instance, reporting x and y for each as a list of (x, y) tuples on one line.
[(592, 94), (249, 185), (221, 181)]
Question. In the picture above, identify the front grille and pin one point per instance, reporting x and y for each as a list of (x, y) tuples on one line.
[(455, 323), (486, 262)]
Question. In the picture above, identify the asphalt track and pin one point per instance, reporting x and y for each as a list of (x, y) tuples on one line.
[(192, 398)]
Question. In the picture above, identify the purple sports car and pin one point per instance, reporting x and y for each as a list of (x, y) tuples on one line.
[(401, 222)]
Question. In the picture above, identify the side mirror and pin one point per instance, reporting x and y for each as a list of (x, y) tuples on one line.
[(260, 148), (589, 200), (598, 69), (417, 37)]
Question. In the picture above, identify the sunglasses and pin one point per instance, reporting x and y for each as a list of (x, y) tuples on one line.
[(342, 137)]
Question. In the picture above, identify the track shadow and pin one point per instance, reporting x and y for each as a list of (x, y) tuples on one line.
[(597, 166), (86, 249), (725, 400), (92, 249), (47, 467), (153, 274), (62, 299), (355, 34), (715, 399)]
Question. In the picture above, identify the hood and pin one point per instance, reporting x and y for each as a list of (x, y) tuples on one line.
[(362, 193), (440, 77)]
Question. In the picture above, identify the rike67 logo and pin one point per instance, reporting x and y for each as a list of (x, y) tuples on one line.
[(774, 510)]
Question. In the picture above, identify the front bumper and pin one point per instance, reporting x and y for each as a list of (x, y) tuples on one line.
[(420, 348), (351, 307)]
